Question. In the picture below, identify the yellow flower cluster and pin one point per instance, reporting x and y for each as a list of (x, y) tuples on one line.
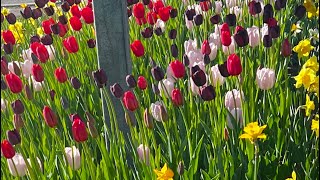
[(17, 31), (311, 8), (303, 48), (253, 132)]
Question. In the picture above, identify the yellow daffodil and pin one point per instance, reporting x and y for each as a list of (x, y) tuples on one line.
[(51, 4), (305, 77), (253, 132), (314, 86), (17, 31), (303, 48), (296, 28), (23, 5), (311, 8), (315, 125), (5, 11), (165, 173), (309, 106), (40, 31), (293, 176), (312, 63)]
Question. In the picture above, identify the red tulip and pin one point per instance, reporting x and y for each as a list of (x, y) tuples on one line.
[(141, 21), (285, 48), (14, 83), (205, 48), (71, 44), (177, 97), (79, 130), (137, 48), (138, 10), (129, 100), (87, 15), (272, 22), (205, 5), (177, 68), (75, 23), (234, 65), (142, 83), (63, 29), (150, 5), (75, 11), (157, 5), (40, 51), (49, 117), (152, 17), (224, 27), (8, 37), (164, 13), (225, 38), (37, 72), (7, 149), (61, 75), (46, 25)]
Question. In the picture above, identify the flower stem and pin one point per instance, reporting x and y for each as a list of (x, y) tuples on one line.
[(256, 150)]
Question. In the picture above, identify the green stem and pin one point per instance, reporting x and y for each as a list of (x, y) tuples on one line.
[(256, 150)]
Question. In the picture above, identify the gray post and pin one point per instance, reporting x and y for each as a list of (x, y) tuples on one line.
[(112, 33)]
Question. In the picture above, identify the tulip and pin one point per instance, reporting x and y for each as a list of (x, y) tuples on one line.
[(4, 67), (63, 20), (142, 83), (49, 10), (26, 68), (147, 119), (36, 13), (116, 90), (70, 2), (137, 48), (147, 32), (186, 60), (274, 31), (231, 19), (265, 78), (3, 85), (157, 5), (157, 73), (224, 27), (164, 13), (225, 38), (166, 86), (198, 19), (40, 3), (37, 73), (17, 165), (141, 21), (33, 39), (130, 102), (254, 7), (13, 137), (151, 17), (100, 77), (75, 82), (46, 25), (91, 43), (233, 99), (177, 97), (14, 83), (131, 82), (177, 69), (254, 36), (190, 45), (71, 44), (8, 37), (155, 109), (234, 65), (174, 50), (267, 13), (11, 18), (300, 12), (87, 15), (173, 13), (205, 48), (208, 93), (17, 107), (143, 153), (205, 5), (286, 48), (75, 23), (26, 13), (7, 149), (138, 10), (216, 77), (267, 41), (8, 48), (79, 130), (73, 157), (40, 51), (47, 39), (65, 6), (49, 117), (172, 34), (218, 7), (241, 37), (198, 76), (236, 114), (28, 92), (213, 53), (215, 19), (75, 11), (17, 120), (61, 75)]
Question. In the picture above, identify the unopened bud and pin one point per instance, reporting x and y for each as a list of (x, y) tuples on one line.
[(17, 121), (92, 129), (64, 102), (147, 119), (76, 84), (180, 168), (17, 107), (13, 137), (116, 90), (131, 82), (28, 92)]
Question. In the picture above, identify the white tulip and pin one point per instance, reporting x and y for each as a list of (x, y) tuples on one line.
[(26, 55), (218, 7), (190, 45), (213, 53), (265, 78), (215, 38), (237, 115), (233, 99), (143, 153), (51, 52), (216, 77), (155, 109), (3, 104), (17, 165), (160, 24), (254, 36), (73, 157), (166, 86), (26, 68), (231, 3)]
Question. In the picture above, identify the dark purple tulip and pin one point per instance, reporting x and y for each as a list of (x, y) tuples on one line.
[(267, 41), (49, 11), (157, 73), (35, 38), (11, 18), (8, 48), (116, 90), (63, 20), (208, 93), (174, 50), (241, 38), (75, 82), (41, 3), (300, 12), (215, 19), (14, 137), (186, 60), (231, 19), (26, 13), (100, 77), (173, 13), (198, 76), (223, 69), (131, 81), (173, 34), (91, 43), (267, 13), (190, 13), (36, 13), (47, 39), (28, 92), (198, 19), (147, 32), (65, 6), (17, 107)]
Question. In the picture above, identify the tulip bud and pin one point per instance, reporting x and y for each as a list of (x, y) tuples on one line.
[(205, 48), (163, 114), (11, 18), (265, 78), (300, 12), (147, 32), (8, 48), (65, 6), (241, 37), (13, 137), (147, 119), (100, 78), (216, 77), (234, 65), (142, 83), (79, 131), (233, 99), (208, 93), (137, 48), (49, 10), (173, 13), (16, 69), (64, 102), (143, 153), (7, 150), (155, 89), (158, 31), (225, 38), (40, 3), (116, 90), (254, 8), (231, 19), (274, 31), (3, 85), (286, 48), (131, 82), (63, 20), (174, 50), (206, 59), (198, 19), (26, 13), (61, 75), (14, 83), (267, 13), (198, 76), (186, 61), (35, 38), (180, 168), (177, 97), (17, 121), (36, 13), (52, 94), (37, 72), (173, 34), (91, 43), (73, 156), (130, 102), (157, 73), (17, 107), (215, 19), (267, 41), (28, 92), (55, 28), (4, 66), (177, 68), (75, 82), (49, 117)]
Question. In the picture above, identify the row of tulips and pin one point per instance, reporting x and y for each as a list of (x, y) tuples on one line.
[(201, 72)]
